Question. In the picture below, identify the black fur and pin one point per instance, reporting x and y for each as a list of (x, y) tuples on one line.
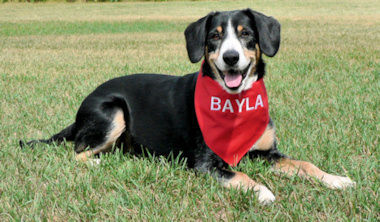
[(196, 38), (159, 109), (269, 29), (266, 30)]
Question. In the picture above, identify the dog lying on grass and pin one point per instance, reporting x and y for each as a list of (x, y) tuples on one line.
[(213, 117)]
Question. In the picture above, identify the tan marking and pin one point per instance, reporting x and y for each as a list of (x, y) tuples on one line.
[(266, 140), (300, 168), (250, 54), (258, 53), (213, 56), (117, 129), (241, 181), (119, 126), (309, 170), (239, 28), (254, 56), (219, 29), (206, 53), (214, 69), (84, 156)]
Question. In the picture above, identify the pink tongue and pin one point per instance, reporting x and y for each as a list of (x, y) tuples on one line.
[(232, 80)]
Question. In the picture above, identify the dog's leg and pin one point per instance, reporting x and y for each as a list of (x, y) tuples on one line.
[(208, 162), (308, 170), (266, 147), (242, 181), (117, 128)]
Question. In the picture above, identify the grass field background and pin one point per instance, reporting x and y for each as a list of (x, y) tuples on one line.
[(323, 86)]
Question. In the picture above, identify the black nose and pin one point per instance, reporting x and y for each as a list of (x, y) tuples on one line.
[(231, 57)]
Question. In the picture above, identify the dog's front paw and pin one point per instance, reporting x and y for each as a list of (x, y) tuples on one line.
[(337, 182), (264, 195)]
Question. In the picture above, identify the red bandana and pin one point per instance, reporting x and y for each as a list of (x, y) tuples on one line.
[(230, 123)]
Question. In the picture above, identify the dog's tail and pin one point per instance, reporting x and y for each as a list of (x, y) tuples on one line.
[(67, 134)]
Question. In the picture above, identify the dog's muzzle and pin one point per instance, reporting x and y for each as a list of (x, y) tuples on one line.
[(233, 78)]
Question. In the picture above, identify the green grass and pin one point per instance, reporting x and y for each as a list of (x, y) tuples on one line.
[(324, 94), (81, 28)]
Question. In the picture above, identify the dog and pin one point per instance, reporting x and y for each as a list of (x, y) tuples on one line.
[(163, 113)]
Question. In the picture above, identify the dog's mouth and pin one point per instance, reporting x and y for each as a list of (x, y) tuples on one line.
[(233, 78)]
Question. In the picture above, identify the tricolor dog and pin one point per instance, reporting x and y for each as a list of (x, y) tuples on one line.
[(212, 118)]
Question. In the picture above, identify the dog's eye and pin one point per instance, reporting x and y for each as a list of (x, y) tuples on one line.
[(244, 33), (216, 36)]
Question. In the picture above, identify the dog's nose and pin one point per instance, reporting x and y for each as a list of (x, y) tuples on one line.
[(231, 57)]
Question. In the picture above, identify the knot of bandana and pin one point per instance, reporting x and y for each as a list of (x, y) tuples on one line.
[(230, 123)]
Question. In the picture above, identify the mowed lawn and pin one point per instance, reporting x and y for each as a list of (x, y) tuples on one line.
[(324, 95)]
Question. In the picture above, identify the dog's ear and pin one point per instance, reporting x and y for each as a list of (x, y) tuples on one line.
[(268, 30), (196, 35)]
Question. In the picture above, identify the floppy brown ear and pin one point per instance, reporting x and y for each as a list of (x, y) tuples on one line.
[(196, 35), (268, 30)]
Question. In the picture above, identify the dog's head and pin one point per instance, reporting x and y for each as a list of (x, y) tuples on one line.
[(232, 43)]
